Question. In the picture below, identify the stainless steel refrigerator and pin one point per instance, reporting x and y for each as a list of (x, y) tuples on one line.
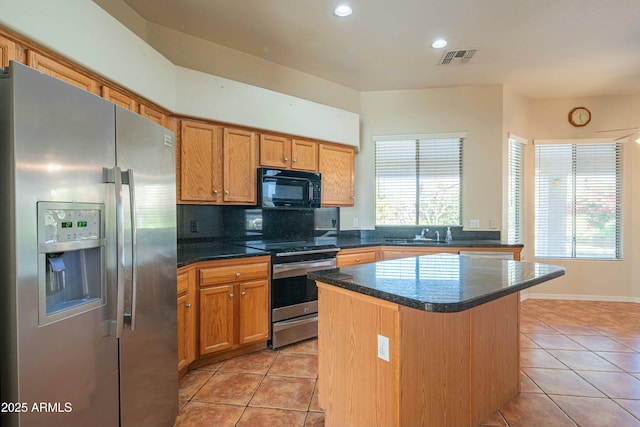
[(88, 281)]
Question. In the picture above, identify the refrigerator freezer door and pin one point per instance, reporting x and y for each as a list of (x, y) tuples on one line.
[(148, 353), (60, 139)]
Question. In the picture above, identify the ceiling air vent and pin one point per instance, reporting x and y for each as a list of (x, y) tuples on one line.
[(457, 57)]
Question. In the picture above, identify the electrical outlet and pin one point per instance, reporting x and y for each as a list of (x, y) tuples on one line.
[(383, 347), (493, 223), (195, 225), (474, 223), (356, 223)]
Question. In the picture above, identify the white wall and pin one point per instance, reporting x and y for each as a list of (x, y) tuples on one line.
[(204, 95), (84, 33), (474, 109), (591, 279)]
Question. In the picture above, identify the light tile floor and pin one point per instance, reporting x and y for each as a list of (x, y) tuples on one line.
[(580, 365)]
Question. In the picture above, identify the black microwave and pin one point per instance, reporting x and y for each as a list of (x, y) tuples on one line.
[(278, 188)]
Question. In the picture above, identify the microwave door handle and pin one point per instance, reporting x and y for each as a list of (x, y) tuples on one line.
[(310, 191)]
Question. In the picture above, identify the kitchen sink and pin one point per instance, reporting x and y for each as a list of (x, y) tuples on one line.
[(416, 241)]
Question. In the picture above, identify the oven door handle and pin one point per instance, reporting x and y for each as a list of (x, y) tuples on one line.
[(286, 324), (280, 270)]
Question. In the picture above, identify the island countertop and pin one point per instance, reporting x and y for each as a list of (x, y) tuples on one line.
[(443, 283)]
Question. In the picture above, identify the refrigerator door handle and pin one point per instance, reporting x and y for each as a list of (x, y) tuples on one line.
[(127, 178), (114, 176)]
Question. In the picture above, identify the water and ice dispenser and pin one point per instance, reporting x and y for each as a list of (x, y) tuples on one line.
[(71, 259)]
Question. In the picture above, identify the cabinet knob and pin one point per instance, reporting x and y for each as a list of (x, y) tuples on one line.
[(357, 259), (230, 295), (187, 305), (237, 274), (286, 159), (295, 160), (243, 293), (226, 191), (215, 191)]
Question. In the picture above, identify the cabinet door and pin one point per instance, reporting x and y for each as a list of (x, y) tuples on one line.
[(254, 311), (239, 169), (275, 151), (304, 155), (200, 162), (216, 319), (153, 114), (182, 332), (119, 98), (62, 72), (337, 167), (7, 51)]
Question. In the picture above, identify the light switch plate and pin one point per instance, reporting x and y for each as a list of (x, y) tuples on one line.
[(474, 223), (383, 347)]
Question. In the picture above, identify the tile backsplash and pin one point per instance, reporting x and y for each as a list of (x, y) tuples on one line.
[(242, 223)]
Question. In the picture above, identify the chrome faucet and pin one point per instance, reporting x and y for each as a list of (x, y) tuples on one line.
[(424, 232), (437, 235)]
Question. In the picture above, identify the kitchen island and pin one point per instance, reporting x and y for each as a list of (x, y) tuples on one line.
[(422, 341)]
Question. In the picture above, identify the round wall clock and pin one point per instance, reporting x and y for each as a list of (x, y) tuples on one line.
[(579, 116)]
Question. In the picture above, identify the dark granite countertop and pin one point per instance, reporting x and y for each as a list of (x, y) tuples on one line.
[(439, 283), (189, 253), (356, 243)]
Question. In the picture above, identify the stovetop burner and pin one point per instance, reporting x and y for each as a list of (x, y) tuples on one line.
[(292, 245)]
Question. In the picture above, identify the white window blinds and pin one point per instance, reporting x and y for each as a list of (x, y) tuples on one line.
[(418, 182), (578, 201), (515, 191)]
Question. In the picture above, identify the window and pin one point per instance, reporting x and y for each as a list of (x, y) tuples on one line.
[(578, 201), (418, 181), (515, 190)]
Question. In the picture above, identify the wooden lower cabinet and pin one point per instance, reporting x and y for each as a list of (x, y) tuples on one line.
[(355, 256), (186, 318), (234, 304)]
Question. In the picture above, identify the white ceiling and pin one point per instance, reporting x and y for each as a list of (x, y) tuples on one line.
[(539, 48)]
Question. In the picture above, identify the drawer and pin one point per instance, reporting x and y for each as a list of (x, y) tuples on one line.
[(233, 273), (356, 258), (183, 282)]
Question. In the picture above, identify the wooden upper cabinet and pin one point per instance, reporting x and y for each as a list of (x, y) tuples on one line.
[(336, 164), (239, 149), (304, 155), (200, 162), (119, 98), (61, 71), (7, 51), (153, 114), (287, 153), (275, 151)]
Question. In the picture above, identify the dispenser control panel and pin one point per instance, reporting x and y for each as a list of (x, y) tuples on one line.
[(70, 224)]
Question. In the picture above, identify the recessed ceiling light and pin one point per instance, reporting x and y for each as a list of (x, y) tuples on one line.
[(439, 43), (343, 10)]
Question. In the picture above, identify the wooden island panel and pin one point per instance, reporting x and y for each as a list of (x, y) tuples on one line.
[(445, 369), (357, 388)]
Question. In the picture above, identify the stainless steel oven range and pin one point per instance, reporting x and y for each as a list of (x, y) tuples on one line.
[(294, 298)]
